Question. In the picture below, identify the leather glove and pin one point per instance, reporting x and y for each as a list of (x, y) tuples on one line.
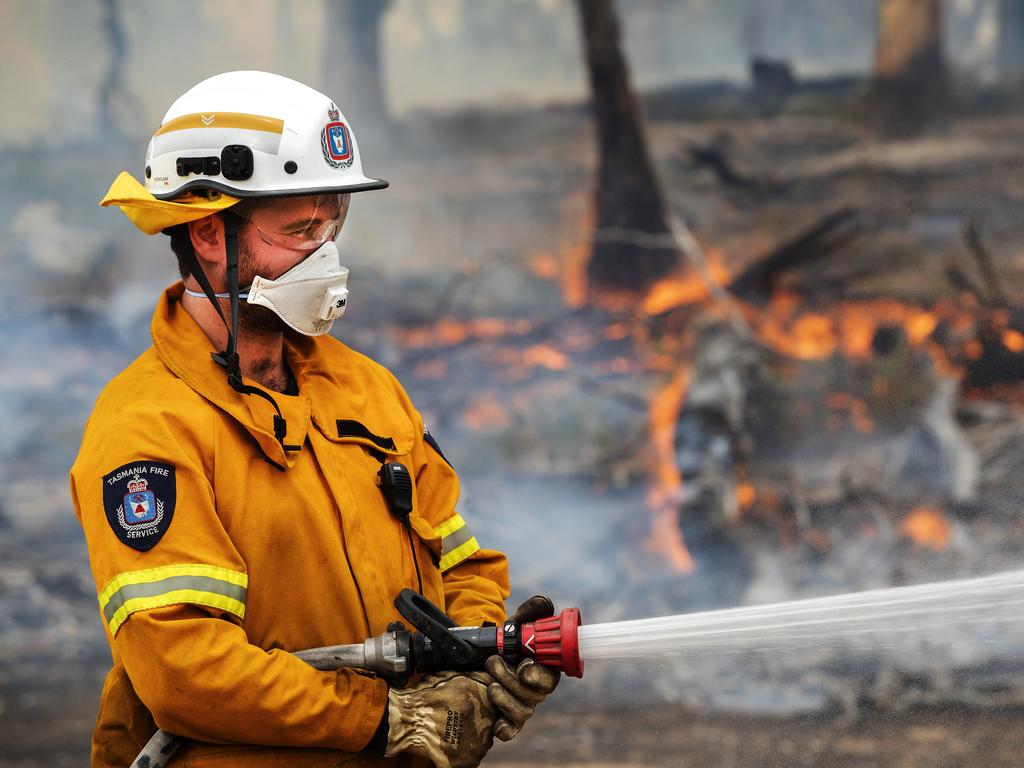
[(447, 718), (517, 694)]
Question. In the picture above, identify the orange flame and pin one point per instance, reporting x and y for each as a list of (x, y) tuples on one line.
[(616, 331), (574, 258), (666, 536), (546, 356), (431, 369), (486, 412), (544, 265), (855, 407), (1013, 340), (746, 495), (927, 527), (849, 328), (448, 332), (677, 291)]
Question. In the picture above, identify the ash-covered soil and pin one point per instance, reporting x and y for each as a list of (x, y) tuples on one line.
[(52, 729), (921, 738)]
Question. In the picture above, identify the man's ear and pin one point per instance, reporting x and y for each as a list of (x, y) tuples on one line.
[(207, 235)]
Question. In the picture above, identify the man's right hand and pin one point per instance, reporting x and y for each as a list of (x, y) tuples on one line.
[(447, 718)]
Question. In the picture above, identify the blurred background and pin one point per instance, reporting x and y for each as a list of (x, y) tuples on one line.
[(711, 303)]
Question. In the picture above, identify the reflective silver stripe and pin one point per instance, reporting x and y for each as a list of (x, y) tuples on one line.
[(205, 584), (455, 539)]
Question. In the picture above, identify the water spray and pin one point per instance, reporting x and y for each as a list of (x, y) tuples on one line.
[(865, 620), (562, 642)]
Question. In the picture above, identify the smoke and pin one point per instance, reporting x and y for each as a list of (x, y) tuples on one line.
[(41, 231)]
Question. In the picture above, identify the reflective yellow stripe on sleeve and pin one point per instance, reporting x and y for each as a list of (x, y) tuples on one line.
[(195, 583), (457, 543)]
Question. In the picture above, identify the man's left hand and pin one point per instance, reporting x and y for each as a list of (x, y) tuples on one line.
[(516, 694)]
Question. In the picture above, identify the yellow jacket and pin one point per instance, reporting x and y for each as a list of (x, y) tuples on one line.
[(216, 552)]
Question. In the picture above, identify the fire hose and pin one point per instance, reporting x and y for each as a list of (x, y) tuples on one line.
[(436, 645)]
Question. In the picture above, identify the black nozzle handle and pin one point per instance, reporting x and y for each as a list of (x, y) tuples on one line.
[(434, 623)]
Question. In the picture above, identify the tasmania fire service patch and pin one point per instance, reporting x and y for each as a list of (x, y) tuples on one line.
[(139, 501)]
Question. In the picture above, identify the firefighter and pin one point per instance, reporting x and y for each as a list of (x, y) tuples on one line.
[(228, 478)]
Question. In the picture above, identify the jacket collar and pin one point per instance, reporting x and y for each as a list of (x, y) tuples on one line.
[(335, 384)]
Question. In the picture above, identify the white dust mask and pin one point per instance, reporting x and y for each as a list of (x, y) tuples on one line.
[(310, 296)]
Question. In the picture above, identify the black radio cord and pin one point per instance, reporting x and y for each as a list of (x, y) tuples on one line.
[(412, 548)]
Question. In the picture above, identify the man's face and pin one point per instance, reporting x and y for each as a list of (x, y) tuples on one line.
[(277, 235)]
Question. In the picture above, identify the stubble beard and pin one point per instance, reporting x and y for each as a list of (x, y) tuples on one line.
[(254, 319)]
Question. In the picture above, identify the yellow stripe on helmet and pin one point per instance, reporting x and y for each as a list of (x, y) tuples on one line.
[(223, 120)]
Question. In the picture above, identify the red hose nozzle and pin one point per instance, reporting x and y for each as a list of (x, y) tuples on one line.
[(555, 642)]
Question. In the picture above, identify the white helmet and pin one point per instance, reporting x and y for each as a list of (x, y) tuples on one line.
[(244, 135), (254, 134)]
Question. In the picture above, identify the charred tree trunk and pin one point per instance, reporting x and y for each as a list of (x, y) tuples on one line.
[(1011, 40), (352, 65), (112, 90), (910, 77), (629, 198)]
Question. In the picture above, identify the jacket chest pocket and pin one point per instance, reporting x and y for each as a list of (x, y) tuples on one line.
[(395, 486), (366, 455), (387, 552), (363, 459)]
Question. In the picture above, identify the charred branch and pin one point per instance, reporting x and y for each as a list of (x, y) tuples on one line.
[(832, 286), (745, 189), (963, 283), (827, 236), (983, 257), (717, 161)]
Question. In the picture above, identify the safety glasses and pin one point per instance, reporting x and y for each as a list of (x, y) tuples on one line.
[(297, 223)]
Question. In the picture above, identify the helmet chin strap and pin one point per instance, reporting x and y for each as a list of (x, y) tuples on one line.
[(228, 358)]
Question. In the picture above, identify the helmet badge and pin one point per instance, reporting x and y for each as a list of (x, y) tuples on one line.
[(335, 141)]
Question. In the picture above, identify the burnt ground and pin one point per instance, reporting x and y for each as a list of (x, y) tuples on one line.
[(53, 729), (929, 738)]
